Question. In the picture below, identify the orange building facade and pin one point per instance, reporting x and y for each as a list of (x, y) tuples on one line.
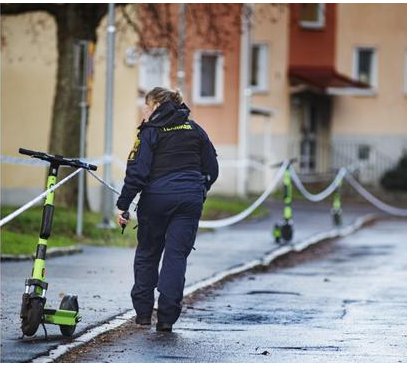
[(325, 83)]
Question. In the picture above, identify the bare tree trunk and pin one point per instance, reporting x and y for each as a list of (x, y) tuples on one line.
[(65, 130), (73, 23)]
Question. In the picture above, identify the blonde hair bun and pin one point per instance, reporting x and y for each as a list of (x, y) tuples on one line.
[(160, 95)]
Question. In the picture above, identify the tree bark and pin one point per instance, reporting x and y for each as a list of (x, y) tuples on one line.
[(74, 22)]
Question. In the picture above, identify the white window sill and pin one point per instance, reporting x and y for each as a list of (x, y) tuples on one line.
[(312, 25), (259, 90), (207, 102), (359, 92)]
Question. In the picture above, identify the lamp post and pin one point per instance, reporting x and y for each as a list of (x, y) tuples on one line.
[(107, 195)]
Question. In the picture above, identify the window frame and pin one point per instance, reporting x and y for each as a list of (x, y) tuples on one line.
[(374, 66), (320, 23), (263, 69), (163, 53), (219, 82)]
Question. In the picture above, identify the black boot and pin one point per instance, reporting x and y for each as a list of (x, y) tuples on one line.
[(164, 327), (143, 321)]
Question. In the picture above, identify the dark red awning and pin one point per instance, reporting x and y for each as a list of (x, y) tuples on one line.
[(322, 78)]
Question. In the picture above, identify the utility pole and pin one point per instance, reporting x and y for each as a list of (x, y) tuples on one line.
[(181, 48), (107, 195), (84, 69), (244, 100)]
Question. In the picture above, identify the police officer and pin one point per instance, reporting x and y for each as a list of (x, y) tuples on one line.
[(173, 164)]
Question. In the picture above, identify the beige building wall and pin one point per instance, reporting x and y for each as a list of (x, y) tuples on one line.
[(270, 27), (269, 135), (377, 119), (28, 70), (382, 26)]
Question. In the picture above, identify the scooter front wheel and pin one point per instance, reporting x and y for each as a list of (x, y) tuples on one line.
[(69, 302), (30, 323)]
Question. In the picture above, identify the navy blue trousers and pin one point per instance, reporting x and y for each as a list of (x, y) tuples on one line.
[(167, 222)]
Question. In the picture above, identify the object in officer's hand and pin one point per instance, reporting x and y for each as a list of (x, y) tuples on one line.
[(126, 216)]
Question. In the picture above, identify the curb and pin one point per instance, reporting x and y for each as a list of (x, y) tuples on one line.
[(119, 320), (53, 252)]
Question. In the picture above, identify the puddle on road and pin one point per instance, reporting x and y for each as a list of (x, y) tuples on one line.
[(275, 317)]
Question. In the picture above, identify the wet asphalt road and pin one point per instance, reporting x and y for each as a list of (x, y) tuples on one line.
[(341, 301), (102, 276)]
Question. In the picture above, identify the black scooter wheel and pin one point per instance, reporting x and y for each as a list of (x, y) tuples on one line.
[(287, 232), (30, 323), (337, 219), (69, 302), (276, 233)]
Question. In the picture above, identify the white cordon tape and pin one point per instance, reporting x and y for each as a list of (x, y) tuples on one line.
[(373, 200), (254, 164), (21, 161), (38, 162), (242, 215), (113, 189), (38, 198), (230, 220), (325, 193)]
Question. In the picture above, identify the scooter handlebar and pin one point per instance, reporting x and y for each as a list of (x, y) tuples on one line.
[(59, 159), (27, 152)]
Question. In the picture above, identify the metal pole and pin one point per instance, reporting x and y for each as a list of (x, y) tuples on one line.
[(80, 197), (107, 197), (181, 49), (82, 64), (244, 103)]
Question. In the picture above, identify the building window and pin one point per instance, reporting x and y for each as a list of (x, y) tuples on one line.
[(208, 77), (259, 68), (364, 152), (365, 65), (154, 70), (312, 15)]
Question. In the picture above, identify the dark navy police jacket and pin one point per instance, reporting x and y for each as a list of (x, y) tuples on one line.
[(172, 154)]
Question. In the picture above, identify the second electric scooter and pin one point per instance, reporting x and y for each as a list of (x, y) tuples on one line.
[(284, 231)]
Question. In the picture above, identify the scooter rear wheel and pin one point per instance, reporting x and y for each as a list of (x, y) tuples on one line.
[(287, 232), (69, 302), (31, 322)]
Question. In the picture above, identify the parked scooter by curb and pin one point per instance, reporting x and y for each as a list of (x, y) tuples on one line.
[(33, 311), (336, 210), (284, 231)]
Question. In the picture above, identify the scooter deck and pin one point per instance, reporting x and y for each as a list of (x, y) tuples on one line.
[(61, 317)]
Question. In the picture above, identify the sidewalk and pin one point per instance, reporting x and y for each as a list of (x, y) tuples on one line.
[(102, 276)]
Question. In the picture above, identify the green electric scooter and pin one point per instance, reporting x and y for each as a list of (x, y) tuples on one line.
[(33, 311), (284, 231), (336, 210)]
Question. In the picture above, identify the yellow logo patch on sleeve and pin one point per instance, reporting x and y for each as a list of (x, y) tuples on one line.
[(135, 149)]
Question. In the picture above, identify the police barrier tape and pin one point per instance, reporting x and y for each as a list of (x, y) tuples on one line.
[(113, 189), (372, 199), (212, 224), (325, 193), (343, 173), (38, 198), (242, 215)]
